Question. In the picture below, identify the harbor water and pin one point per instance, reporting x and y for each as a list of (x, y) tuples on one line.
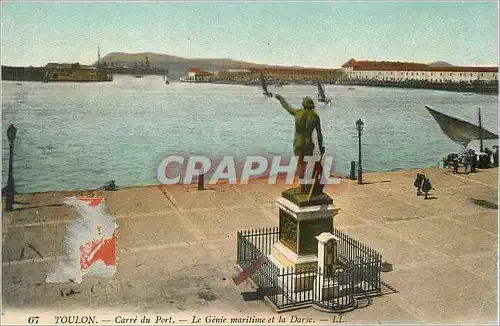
[(81, 135)]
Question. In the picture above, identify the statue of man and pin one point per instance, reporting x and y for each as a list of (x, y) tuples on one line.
[(306, 121)]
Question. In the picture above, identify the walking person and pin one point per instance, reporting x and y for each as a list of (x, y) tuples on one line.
[(426, 186), (418, 183)]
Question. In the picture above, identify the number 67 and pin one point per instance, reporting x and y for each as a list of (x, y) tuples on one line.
[(33, 320)]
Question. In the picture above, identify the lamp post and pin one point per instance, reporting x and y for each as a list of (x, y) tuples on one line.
[(359, 127), (9, 203)]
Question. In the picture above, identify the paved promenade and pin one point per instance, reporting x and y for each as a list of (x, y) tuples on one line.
[(177, 249)]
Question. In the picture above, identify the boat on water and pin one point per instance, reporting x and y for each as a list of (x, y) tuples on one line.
[(138, 76), (321, 95), (460, 131), (350, 88), (191, 80), (264, 86)]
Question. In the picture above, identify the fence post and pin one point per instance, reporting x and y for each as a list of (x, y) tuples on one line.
[(201, 182), (352, 175)]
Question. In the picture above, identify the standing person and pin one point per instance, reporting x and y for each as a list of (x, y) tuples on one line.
[(495, 156), (426, 186), (465, 161), (306, 121), (473, 161), (455, 164), (489, 153), (418, 183)]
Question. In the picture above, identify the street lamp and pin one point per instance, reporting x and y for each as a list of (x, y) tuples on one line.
[(359, 127), (9, 203)]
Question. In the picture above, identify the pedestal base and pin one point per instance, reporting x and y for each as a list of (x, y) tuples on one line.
[(289, 259), (301, 219), (297, 273), (301, 199), (299, 226)]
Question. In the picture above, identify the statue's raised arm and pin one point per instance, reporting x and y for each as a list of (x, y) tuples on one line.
[(285, 104)]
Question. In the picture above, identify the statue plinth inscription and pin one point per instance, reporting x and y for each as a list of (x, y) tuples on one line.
[(288, 227)]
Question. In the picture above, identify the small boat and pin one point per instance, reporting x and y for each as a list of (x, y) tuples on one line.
[(351, 88), (138, 76), (264, 86), (18, 84), (321, 95)]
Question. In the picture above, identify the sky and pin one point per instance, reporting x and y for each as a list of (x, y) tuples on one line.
[(314, 34)]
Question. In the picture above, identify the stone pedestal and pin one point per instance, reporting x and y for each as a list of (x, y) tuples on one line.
[(300, 221)]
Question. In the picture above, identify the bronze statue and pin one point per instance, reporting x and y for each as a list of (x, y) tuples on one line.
[(306, 121)]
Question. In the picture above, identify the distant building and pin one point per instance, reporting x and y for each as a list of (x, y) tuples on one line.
[(68, 66), (283, 73), (195, 74), (404, 71)]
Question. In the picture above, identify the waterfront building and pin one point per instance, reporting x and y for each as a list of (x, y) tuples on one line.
[(407, 71), (282, 73), (75, 72), (198, 75)]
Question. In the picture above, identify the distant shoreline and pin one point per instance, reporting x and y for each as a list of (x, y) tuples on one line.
[(478, 88)]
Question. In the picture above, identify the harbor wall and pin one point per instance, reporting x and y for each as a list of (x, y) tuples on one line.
[(474, 87)]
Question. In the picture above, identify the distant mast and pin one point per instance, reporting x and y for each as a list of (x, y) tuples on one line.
[(98, 56), (480, 130)]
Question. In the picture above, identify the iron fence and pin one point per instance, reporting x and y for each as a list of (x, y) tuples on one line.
[(367, 262), (287, 288)]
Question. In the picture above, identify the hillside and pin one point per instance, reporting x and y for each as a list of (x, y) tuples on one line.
[(177, 66), (440, 64)]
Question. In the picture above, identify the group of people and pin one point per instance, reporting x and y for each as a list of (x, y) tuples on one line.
[(422, 183), (470, 160)]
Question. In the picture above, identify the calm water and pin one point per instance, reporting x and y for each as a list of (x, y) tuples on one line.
[(79, 136)]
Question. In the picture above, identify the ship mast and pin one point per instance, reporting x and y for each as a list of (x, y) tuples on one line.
[(98, 57), (480, 130)]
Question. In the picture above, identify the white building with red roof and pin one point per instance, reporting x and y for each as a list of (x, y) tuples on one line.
[(195, 74), (404, 71)]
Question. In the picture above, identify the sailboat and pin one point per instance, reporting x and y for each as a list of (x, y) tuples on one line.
[(461, 132), (264, 86), (321, 95)]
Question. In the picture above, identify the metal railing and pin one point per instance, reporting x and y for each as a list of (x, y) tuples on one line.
[(288, 288)]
